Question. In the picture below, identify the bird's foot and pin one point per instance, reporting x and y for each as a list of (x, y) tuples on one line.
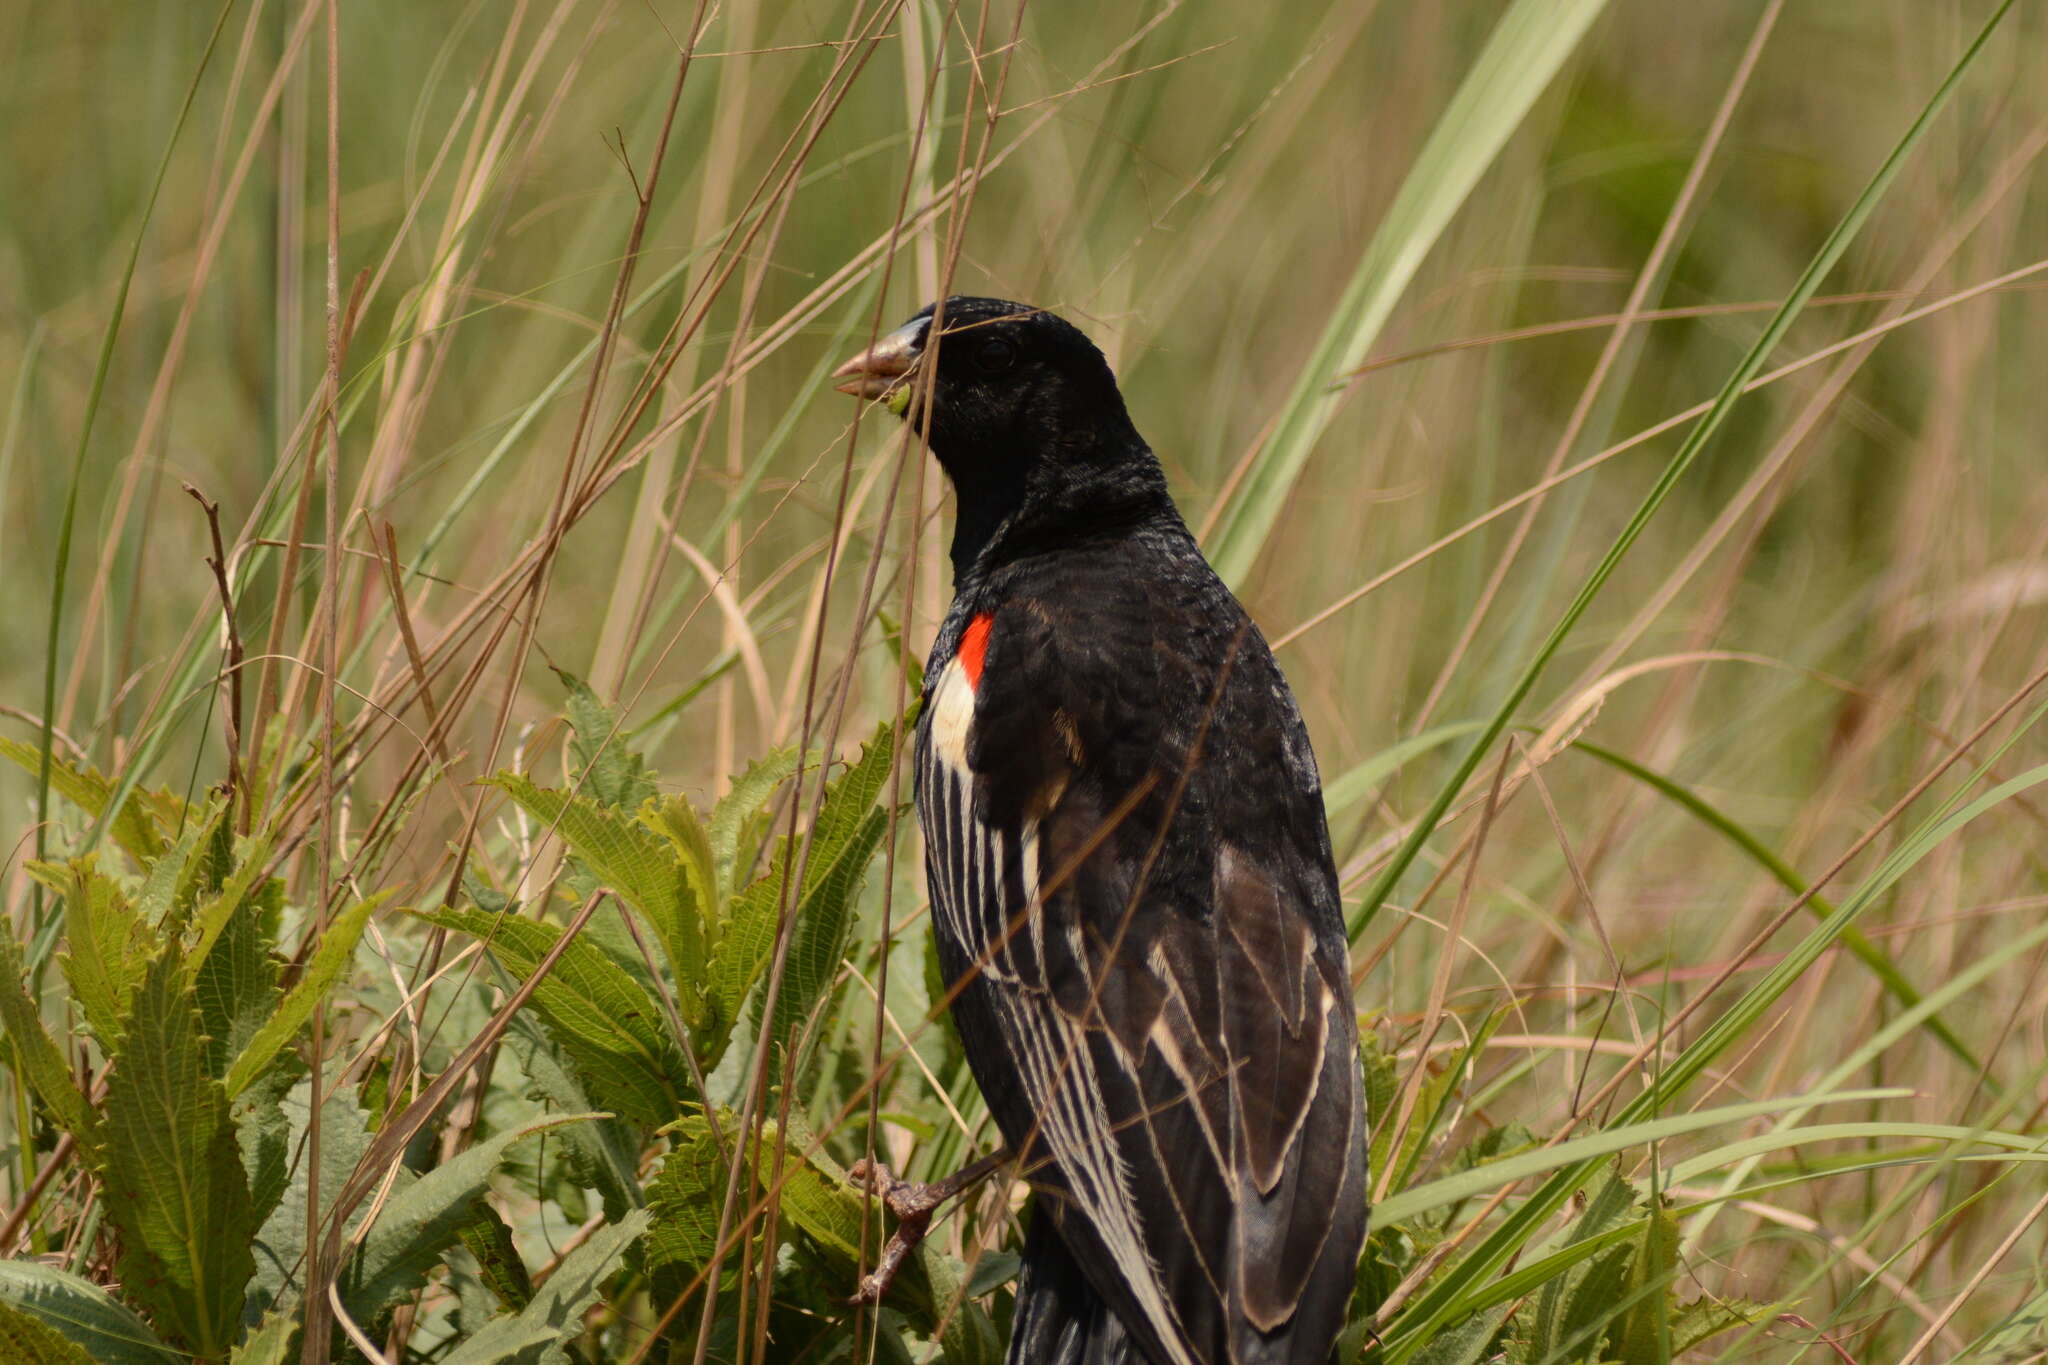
[(913, 1204)]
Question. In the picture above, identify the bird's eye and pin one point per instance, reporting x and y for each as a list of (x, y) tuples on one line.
[(995, 355)]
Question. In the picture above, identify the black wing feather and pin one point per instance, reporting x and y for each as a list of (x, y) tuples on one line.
[(1130, 868)]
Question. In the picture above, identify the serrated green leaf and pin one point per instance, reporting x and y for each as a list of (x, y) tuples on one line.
[(90, 790), (1705, 1318), (235, 890), (1644, 1335), (106, 944), (818, 939), (236, 986), (26, 1340), (1434, 1092), (499, 1266), (841, 844), (1550, 1325), (534, 1336), (335, 951), (818, 1197), (750, 792), (108, 1331), (28, 1047), (609, 1027), (280, 1245), (676, 822), (158, 895), (423, 1218), (1466, 1343), (1382, 1095), (607, 767), (1593, 1305), (209, 862), (601, 1154), (1437, 1099), (685, 1198), (270, 1344), (817, 1200), (1495, 1144), (642, 866), (174, 1180), (263, 1131)]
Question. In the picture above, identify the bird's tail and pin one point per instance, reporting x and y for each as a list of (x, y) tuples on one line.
[(1060, 1320)]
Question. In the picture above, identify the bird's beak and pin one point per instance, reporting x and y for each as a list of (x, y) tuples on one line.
[(883, 370)]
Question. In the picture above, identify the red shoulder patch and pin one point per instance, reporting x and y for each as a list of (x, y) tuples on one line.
[(974, 648)]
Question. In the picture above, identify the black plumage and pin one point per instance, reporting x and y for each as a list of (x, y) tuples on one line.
[(1131, 873)]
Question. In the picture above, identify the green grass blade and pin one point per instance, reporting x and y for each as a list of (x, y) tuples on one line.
[(1823, 263), (54, 636), (1352, 786), (1524, 52), (1464, 1185), (1448, 1298), (1953, 1134), (1880, 963)]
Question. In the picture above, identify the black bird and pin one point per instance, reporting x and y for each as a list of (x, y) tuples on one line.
[(1130, 875)]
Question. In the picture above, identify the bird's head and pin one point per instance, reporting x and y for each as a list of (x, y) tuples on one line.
[(1019, 407)]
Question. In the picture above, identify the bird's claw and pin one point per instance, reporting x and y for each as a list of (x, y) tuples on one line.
[(913, 1205), (907, 1199)]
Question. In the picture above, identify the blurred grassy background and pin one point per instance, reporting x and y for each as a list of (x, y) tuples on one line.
[(1193, 184)]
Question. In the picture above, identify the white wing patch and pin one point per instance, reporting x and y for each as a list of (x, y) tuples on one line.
[(952, 715)]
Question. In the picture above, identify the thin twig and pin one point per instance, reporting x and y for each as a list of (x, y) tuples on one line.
[(238, 787)]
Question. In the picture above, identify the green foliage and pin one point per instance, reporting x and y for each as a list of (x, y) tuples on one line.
[(555, 1313), (600, 1154), (29, 1341), (1609, 1294), (175, 1184), (236, 987), (674, 870), (109, 944), (600, 1015), (271, 1343), (422, 1219), (739, 822), (639, 856), (31, 1052), (820, 1208), (255, 1048), (688, 1196), (489, 1240), (278, 1284), (233, 880), (833, 861), (612, 771), (85, 1314), (136, 828)]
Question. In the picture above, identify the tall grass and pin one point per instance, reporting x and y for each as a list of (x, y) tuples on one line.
[(501, 930)]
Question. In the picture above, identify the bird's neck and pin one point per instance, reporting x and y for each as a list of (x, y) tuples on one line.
[(1009, 508)]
